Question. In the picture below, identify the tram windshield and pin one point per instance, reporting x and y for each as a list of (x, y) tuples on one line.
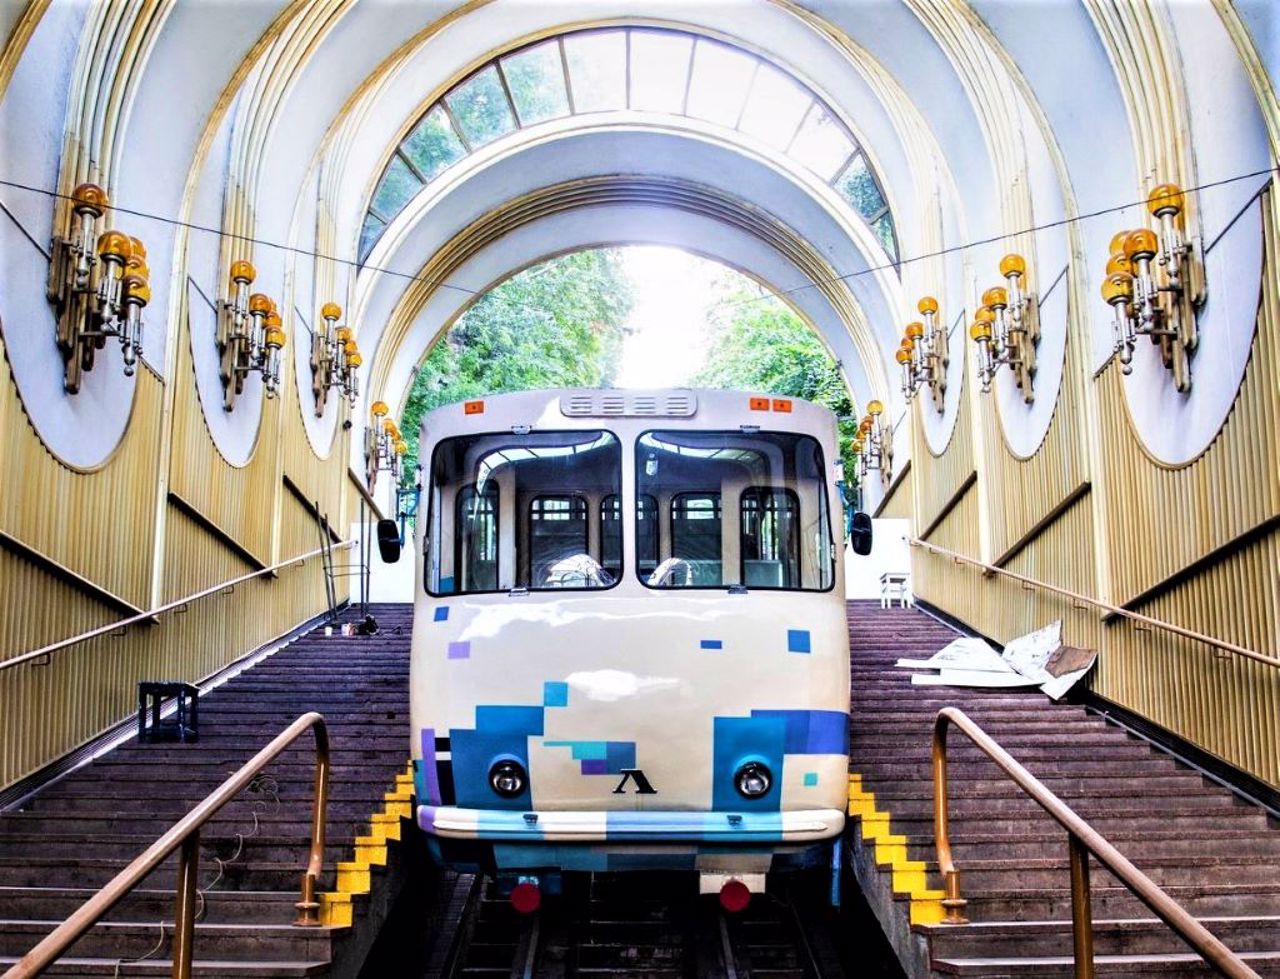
[(545, 510), (524, 511), (742, 508)]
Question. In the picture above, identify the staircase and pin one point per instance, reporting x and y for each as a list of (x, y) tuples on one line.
[(1216, 856), (82, 830)]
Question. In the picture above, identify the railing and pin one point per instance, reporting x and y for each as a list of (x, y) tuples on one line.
[(178, 603), (1145, 621), (185, 837), (1083, 840)]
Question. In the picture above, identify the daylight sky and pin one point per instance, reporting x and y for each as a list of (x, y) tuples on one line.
[(667, 332)]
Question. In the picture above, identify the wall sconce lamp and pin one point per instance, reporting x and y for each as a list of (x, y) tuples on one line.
[(384, 446), (924, 354), (98, 285), (335, 359), (1006, 329), (873, 445), (250, 336), (1155, 284)]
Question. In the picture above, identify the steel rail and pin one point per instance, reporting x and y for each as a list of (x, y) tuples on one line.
[(161, 609), (1083, 840), (185, 837), (1145, 620)]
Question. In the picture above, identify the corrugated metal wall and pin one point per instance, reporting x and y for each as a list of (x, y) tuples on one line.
[(73, 540), (1197, 546)]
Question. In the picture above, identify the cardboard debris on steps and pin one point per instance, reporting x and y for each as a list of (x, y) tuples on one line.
[(1038, 659)]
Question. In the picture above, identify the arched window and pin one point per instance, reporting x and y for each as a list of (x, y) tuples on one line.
[(636, 69)]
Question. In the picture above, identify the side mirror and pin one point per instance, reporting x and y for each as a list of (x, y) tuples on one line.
[(389, 541), (860, 533)]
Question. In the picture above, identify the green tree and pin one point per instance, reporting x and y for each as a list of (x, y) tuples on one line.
[(556, 324), (758, 343)]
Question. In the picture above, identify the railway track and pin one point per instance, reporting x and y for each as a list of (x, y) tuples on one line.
[(628, 926)]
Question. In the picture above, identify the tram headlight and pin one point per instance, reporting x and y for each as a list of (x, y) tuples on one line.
[(508, 778), (753, 780)]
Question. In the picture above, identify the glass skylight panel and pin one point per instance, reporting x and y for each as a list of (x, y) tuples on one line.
[(883, 228), (597, 70), (659, 70), (397, 186), (481, 108), (822, 144), (535, 77), (369, 234), (433, 144), (775, 106), (858, 187), (721, 78)]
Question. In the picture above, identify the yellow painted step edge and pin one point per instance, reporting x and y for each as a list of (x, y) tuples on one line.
[(907, 876), (355, 876)]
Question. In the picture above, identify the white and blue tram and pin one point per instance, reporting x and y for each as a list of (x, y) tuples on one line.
[(629, 646)]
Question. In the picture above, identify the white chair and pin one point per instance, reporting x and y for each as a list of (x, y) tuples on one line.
[(895, 584)]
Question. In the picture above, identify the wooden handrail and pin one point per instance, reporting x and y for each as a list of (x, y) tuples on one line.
[(103, 630), (1145, 620), (185, 835), (1083, 840)]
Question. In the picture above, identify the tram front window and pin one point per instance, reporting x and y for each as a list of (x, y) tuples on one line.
[(522, 511), (746, 509)]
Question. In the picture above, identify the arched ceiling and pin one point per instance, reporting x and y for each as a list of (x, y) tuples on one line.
[(266, 135)]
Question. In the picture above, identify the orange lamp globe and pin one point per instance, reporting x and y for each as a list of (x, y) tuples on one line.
[(1119, 262), (1166, 199), (114, 246), (355, 360), (274, 338), (1117, 242), (875, 408), (331, 311), (243, 271), (980, 331), (138, 247), (273, 320), (1141, 244), (342, 334), (379, 408), (902, 356), (259, 303), (996, 297), (90, 199), (927, 305), (915, 330), (1117, 288), (984, 315), (1013, 264)]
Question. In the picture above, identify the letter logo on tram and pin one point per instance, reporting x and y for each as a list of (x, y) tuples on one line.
[(642, 784)]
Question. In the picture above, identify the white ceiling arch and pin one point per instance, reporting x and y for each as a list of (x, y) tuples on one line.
[(778, 198)]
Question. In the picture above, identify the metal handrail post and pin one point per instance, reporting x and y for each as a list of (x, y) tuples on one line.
[(184, 906), (1081, 908), (1084, 841), (185, 834), (953, 902), (308, 905)]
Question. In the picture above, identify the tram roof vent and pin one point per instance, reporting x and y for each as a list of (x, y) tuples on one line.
[(615, 404)]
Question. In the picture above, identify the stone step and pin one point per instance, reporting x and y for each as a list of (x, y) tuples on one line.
[(1129, 936), (141, 904), (129, 939), (1186, 965), (210, 968)]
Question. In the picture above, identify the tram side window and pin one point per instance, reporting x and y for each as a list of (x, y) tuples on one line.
[(557, 532), (646, 534), (476, 539), (696, 536), (770, 538)]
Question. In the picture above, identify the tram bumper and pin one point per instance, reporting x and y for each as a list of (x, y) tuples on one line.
[(630, 826)]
